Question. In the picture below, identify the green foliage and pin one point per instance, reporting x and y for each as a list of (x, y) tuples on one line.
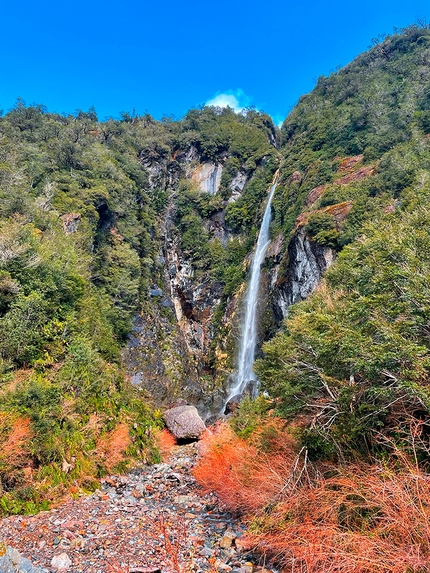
[(359, 345), (375, 106), (321, 227), (249, 416), (80, 208)]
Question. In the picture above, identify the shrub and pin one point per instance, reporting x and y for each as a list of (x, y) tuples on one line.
[(240, 472), (309, 518)]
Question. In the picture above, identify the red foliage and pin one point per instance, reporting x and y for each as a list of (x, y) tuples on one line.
[(357, 518), (111, 446), (244, 477), (165, 441), (15, 434)]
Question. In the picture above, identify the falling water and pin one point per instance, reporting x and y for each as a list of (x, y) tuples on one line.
[(248, 338)]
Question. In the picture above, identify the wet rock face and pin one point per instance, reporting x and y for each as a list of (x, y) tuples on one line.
[(184, 422), (307, 262), (172, 351), (157, 357)]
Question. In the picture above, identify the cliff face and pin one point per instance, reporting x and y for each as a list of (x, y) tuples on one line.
[(298, 273), (170, 348), (183, 344)]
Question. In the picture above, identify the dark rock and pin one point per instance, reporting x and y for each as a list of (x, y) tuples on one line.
[(307, 263), (184, 422), (172, 270), (155, 291), (212, 420), (233, 403), (12, 562)]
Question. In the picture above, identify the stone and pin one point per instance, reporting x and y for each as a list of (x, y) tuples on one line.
[(227, 540), (155, 291), (61, 562), (71, 222), (244, 544), (13, 562), (167, 303), (220, 566), (233, 404), (206, 552), (184, 422), (296, 177), (238, 182)]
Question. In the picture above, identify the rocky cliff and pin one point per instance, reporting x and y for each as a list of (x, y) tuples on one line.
[(183, 344)]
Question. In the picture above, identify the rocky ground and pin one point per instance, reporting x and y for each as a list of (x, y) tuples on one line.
[(154, 519)]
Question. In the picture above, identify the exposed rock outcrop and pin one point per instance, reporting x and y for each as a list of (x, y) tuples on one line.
[(71, 222), (208, 177), (177, 349), (305, 263)]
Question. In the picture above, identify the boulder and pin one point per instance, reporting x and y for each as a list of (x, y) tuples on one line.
[(155, 290), (11, 561), (61, 562), (227, 540), (184, 422)]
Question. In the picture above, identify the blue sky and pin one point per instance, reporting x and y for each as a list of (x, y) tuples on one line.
[(165, 57)]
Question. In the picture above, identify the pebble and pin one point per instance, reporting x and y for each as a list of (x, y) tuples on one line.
[(61, 562), (143, 522)]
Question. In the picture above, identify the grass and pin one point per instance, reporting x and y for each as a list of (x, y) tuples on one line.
[(314, 518)]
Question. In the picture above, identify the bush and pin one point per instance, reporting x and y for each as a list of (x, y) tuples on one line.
[(366, 518)]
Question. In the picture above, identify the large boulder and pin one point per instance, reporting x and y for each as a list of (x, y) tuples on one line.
[(184, 422), (12, 562)]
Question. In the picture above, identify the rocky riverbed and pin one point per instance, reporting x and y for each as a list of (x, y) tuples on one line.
[(154, 519)]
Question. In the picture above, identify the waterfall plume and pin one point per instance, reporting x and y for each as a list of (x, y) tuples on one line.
[(248, 338)]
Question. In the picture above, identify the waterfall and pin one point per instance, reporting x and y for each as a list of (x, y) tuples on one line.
[(248, 337)]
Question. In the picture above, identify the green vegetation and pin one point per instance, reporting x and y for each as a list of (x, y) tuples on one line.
[(80, 206), (84, 207), (355, 357)]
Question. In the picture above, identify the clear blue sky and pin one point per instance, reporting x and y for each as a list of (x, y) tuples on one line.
[(166, 57)]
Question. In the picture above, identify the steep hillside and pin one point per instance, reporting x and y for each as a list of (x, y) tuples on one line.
[(124, 251), (354, 180), (112, 234)]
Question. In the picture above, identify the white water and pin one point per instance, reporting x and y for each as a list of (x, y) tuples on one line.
[(248, 338)]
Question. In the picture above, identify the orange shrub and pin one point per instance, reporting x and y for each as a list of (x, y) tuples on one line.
[(165, 442), (356, 518), (365, 520), (111, 446), (240, 472), (15, 433)]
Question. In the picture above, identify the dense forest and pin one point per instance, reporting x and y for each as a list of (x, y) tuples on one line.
[(88, 211)]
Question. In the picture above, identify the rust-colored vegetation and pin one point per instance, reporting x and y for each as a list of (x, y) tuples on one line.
[(165, 442), (315, 518), (112, 446)]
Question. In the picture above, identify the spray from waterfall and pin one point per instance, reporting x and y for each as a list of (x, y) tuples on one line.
[(248, 339)]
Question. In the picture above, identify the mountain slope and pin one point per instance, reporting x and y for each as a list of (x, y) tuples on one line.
[(124, 251)]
